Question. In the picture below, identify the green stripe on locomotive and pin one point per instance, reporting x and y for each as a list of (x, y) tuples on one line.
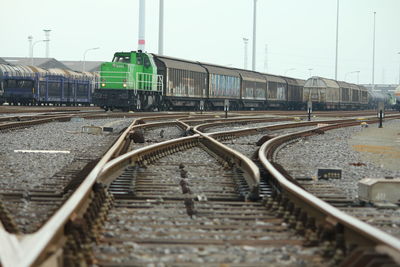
[(130, 70)]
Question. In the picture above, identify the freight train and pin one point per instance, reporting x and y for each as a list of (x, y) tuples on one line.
[(29, 85), (144, 81)]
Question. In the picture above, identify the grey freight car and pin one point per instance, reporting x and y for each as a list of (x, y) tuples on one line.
[(224, 84), (295, 93), (253, 90), (276, 91), (185, 82)]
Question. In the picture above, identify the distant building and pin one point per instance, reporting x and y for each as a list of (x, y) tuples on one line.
[(91, 66), (386, 88), (52, 63), (45, 63), (2, 61)]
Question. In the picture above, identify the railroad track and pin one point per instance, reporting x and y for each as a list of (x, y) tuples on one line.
[(189, 198), (17, 122), (26, 209), (219, 219), (322, 223)]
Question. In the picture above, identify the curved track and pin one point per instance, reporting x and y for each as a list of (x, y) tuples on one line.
[(194, 208)]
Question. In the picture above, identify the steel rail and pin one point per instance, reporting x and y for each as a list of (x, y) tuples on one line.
[(255, 130), (204, 126), (34, 249), (358, 232), (31, 250), (148, 154), (63, 118), (250, 170)]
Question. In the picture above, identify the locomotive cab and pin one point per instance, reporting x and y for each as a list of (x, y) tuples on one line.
[(129, 70)]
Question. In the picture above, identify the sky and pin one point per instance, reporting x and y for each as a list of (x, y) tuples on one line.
[(300, 35)]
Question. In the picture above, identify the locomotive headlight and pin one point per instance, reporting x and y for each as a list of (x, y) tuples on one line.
[(124, 84), (103, 84)]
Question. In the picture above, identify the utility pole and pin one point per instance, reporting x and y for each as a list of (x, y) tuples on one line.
[(246, 41), (254, 35), (161, 29), (47, 39), (142, 10)]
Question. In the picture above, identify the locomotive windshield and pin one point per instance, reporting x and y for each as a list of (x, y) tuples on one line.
[(122, 59)]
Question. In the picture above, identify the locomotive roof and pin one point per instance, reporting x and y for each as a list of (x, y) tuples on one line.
[(181, 64)]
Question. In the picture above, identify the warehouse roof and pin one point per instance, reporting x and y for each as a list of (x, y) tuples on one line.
[(2, 61), (46, 63), (90, 66)]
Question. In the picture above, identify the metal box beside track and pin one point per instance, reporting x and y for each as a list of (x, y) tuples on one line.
[(379, 190)]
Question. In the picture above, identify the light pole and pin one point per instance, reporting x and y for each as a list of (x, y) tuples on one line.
[(254, 35), (246, 41), (47, 34), (286, 71), (399, 68), (161, 29), (266, 59), (337, 38), (30, 39), (358, 77), (33, 45), (84, 56), (351, 72), (373, 56), (310, 71)]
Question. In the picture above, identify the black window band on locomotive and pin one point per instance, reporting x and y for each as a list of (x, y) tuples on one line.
[(122, 59)]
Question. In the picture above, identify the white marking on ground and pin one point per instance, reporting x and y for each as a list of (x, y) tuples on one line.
[(43, 151)]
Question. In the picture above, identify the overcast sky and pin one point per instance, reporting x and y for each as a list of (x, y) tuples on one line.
[(300, 34)]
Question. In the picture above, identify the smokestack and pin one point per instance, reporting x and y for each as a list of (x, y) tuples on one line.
[(142, 10), (161, 29), (47, 34)]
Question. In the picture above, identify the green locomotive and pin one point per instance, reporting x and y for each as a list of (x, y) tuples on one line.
[(129, 82)]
